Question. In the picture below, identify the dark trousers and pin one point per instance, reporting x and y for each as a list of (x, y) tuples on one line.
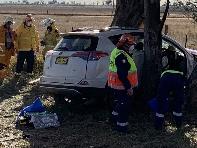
[(170, 83), (121, 109), (23, 56)]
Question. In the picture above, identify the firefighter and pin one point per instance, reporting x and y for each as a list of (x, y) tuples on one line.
[(7, 36), (171, 81), (122, 78), (51, 35), (27, 43)]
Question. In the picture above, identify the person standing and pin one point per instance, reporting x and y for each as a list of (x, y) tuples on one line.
[(7, 40), (27, 43), (51, 35), (122, 78)]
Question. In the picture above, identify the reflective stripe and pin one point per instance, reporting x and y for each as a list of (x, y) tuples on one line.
[(159, 115), (114, 113), (122, 124), (171, 71), (177, 114), (113, 79)]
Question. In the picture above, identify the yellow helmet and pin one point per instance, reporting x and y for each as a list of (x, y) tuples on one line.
[(28, 18)]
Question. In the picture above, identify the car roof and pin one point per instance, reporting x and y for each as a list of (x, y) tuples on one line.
[(104, 32)]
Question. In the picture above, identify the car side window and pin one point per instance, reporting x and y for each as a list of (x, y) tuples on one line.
[(77, 43), (114, 39)]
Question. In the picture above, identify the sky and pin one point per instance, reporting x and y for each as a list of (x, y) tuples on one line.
[(82, 1)]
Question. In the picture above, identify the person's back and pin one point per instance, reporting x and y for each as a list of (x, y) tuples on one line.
[(171, 81)]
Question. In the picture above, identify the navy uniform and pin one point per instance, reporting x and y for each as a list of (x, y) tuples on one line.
[(122, 78), (172, 80)]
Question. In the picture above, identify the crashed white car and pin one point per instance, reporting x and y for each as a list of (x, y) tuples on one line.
[(79, 62)]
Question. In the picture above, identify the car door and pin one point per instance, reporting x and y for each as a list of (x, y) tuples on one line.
[(97, 67), (69, 59), (186, 59)]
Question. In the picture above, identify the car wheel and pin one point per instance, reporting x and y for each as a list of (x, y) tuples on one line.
[(62, 99), (59, 99)]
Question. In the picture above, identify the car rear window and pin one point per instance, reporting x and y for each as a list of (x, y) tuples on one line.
[(114, 39), (77, 43)]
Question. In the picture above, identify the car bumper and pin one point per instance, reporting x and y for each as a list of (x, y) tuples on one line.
[(71, 90)]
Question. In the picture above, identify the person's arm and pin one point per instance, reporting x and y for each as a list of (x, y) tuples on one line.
[(123, 67), (16, 38), (57, 33), (37, 41)]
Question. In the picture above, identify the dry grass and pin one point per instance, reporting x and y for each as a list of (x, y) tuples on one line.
[(65, 23), (87, 130), (180, 27)]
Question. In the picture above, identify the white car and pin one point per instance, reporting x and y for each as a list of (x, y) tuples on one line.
[(79, 62)]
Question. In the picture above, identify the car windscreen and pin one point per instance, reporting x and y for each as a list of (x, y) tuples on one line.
[(77, 43)]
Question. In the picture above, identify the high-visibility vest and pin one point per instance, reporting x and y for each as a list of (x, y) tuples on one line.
[(172, 71), (113, 80)]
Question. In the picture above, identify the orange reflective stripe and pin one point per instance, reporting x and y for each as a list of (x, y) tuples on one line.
[(133, 79), (114, 82)]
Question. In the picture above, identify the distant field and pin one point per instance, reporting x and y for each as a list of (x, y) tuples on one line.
[(98, 17), (57, 9)]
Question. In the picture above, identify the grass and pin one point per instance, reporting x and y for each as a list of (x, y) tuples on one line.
[(179, 26), (81, 129)]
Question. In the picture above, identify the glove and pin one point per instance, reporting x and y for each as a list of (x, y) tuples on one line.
[(2, 66), (42, 43), (130, 92), (37, 49)]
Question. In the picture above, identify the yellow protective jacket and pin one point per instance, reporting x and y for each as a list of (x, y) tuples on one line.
[(27, 38), (50, 39), (5, 54)]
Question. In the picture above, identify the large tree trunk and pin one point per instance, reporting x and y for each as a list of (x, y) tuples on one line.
[(152, 44), (129, 13)]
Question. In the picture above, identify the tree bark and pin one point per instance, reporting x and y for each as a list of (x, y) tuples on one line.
[(131, 13), (152, 44), (128, 13)]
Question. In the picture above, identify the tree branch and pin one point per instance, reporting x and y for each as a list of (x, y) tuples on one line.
[(164, 16)]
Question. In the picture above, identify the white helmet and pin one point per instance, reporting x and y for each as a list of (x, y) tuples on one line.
[(8, 19), (47, 22), (28, 17)]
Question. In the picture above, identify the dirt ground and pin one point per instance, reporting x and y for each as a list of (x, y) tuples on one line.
[(85, 127)]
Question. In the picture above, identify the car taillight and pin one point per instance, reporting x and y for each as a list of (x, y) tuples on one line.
[(96, 55), (81, 54)]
